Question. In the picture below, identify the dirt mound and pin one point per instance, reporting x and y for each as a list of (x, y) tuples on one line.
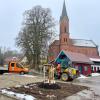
[(49, 86)]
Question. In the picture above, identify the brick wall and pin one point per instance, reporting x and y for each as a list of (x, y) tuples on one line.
[(89, 51)]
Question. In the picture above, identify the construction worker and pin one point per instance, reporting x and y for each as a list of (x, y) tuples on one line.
[(58, 70)]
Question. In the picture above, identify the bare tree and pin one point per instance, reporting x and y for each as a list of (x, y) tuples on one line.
[(5, 53), (34, 37)]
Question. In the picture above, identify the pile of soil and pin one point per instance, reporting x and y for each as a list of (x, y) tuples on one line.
[(49, 86), (35, 89)]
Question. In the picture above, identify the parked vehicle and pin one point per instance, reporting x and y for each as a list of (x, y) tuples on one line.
[(66, 74), (14, 67)]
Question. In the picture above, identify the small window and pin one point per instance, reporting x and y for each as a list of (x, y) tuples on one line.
[(12, 64), (76, 67), (19, 65), (62, 56), (94, 68), (98, 68), (86, 68)]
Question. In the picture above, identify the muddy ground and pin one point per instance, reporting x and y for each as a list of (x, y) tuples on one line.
[(62, 91)]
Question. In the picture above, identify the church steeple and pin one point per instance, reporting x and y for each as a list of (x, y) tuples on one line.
[(64, 12), (64, 20), (64, 28)]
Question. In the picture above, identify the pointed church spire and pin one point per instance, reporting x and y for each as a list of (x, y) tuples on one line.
[(64, 12)]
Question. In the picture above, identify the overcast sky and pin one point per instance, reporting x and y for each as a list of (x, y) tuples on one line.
[(84, 17)]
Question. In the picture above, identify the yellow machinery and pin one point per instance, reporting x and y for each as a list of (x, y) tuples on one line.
[(67, 74)]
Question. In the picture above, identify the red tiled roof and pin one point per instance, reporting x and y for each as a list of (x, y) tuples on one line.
[(78, 57)]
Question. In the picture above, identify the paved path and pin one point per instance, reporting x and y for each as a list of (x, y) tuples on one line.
[(15, 79), (92, 82), (92, 94)]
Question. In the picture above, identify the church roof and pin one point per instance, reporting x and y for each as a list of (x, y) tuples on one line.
[(64, 12), (78, 42), (84, 43)]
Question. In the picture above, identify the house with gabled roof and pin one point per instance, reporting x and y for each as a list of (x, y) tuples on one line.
[(76, 60)]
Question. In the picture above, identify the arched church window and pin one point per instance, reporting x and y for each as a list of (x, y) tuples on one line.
[(65, 29), (65, 39)]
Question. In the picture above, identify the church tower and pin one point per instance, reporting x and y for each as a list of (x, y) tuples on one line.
[(64, 29)]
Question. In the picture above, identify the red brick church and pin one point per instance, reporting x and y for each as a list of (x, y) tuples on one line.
[(66, 43)]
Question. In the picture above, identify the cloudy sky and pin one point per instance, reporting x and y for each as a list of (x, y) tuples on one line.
[(84, 16)]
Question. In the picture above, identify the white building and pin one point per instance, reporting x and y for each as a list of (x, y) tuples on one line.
[(96, 66)]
